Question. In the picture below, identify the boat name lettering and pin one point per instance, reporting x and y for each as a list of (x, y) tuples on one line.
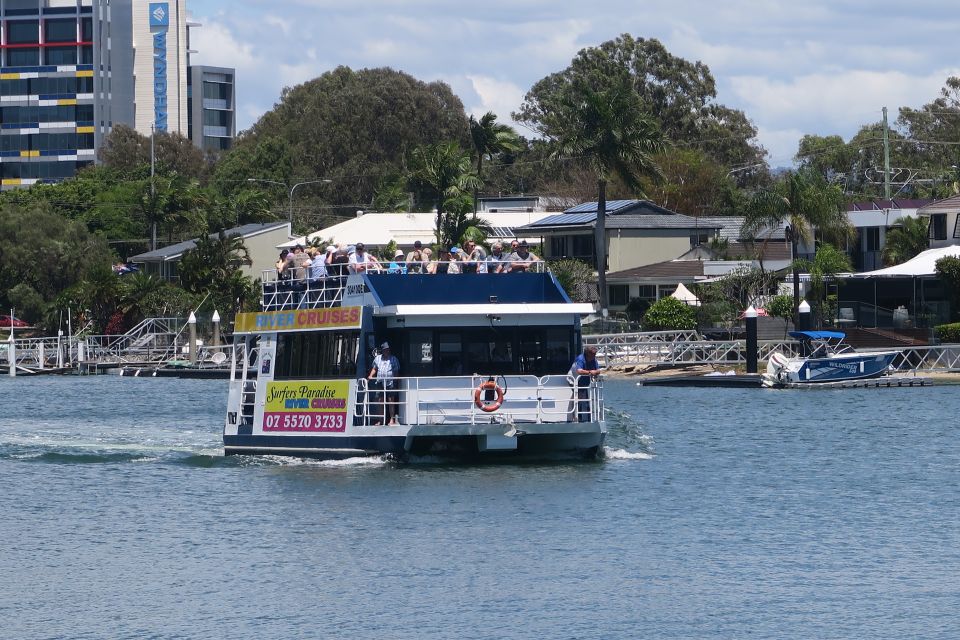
[(357, 289), (852, 367), (295, 320)]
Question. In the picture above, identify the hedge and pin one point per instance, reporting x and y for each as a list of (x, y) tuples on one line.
[(949, 333)]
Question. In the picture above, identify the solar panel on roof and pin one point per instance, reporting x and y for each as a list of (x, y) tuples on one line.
[(565, 219), (611, 206)]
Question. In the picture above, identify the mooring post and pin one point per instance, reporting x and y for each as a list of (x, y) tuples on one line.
[(216, 328), (12, 354), (192, 321), (803, 324), (751, 317)]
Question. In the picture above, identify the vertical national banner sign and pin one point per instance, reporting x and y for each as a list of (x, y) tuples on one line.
[(159, 25)]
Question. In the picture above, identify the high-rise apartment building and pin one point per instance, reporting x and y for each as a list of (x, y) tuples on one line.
[(211, 96), (72, 69)]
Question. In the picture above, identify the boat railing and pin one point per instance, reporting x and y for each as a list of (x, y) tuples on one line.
[(296, 289), (460, 399)]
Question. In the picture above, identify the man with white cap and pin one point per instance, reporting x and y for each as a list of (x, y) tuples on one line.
[(386, 367)]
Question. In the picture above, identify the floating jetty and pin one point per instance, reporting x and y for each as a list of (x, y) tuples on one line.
[(754, 381), (871, 383), (724, 381)]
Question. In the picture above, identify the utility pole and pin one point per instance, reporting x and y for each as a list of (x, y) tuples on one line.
[(886, 156), (153, 195)]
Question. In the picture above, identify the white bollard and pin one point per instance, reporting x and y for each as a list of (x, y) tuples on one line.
[(41, 356), (12, 355), (192, 321), (81, 351)]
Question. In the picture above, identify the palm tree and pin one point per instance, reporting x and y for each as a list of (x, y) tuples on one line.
[(489, 139), (213, 262), (807, 202), (610, 132), (445, 170), (909, 238)]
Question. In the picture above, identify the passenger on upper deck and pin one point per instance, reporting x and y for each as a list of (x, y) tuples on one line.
[(475, 258), (415, 258), (318, 267), (455, 258), (521, 259), (361, 261), (397, 265), (442, 265), (283, 265), (496, 261)]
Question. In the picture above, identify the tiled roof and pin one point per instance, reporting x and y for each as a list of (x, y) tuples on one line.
[(772, 251), (668, 269), (948, 205)]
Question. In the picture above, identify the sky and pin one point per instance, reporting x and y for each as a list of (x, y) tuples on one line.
[(798, 67)]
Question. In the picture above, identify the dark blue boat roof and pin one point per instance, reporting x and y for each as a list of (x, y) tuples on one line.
[(466, 288), (818, 335)]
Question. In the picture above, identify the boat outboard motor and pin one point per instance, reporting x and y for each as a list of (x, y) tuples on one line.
[(776, 369)]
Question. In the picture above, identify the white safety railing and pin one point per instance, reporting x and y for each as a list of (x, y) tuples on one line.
[(296, 289), (944, 357), (459, 400), (689, 352)]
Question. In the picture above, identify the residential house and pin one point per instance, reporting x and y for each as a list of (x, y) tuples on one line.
[(872, 221), (638, 233), (944, 218), (730, 249), (261, 241)]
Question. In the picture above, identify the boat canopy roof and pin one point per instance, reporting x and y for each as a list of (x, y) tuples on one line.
[(818, 335), (463, 289)]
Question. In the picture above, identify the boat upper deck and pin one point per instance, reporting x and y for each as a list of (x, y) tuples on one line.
[(383, 289)]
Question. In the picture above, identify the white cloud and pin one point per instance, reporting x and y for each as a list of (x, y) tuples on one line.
[(495, 95), (219, 47), (811, 67)]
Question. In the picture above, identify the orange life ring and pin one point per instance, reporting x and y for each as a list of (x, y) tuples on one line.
[(489, 385)]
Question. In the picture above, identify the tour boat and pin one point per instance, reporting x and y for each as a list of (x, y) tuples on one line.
[(829, 360), (484, 362)]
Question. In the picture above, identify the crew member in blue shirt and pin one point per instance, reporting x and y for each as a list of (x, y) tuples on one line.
[(584, 367)]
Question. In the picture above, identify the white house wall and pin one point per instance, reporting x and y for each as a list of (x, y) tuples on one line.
[(629, 249)]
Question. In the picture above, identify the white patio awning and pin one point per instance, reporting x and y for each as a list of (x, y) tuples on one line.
[(923, 264), (685, 295)]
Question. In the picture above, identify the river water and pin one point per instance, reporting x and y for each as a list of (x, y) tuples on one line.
[(716, 513)]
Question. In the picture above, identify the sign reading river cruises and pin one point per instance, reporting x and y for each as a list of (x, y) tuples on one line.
[(299, 320), (318, 405)]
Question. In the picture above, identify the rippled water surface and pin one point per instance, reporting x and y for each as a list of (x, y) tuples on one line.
[(716, 513)]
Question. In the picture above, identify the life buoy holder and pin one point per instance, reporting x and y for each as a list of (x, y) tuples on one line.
[(478, 400)]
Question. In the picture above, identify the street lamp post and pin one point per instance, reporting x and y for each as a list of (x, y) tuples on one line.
[(292, 190)]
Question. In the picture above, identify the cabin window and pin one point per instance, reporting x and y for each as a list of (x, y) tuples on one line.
[(873, 238), (317, 354), (419, 354), (558, 355), (449, 354)]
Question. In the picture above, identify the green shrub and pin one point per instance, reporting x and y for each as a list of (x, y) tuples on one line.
[(636, 308), (668, 314), (948, 333)]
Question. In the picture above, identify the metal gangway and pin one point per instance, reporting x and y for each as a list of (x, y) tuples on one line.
[(688, 348)]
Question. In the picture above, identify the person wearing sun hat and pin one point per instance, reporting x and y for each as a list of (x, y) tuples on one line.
[(383, 374)]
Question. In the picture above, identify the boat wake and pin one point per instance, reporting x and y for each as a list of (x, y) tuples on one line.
[(626, 439), (621, 454)]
